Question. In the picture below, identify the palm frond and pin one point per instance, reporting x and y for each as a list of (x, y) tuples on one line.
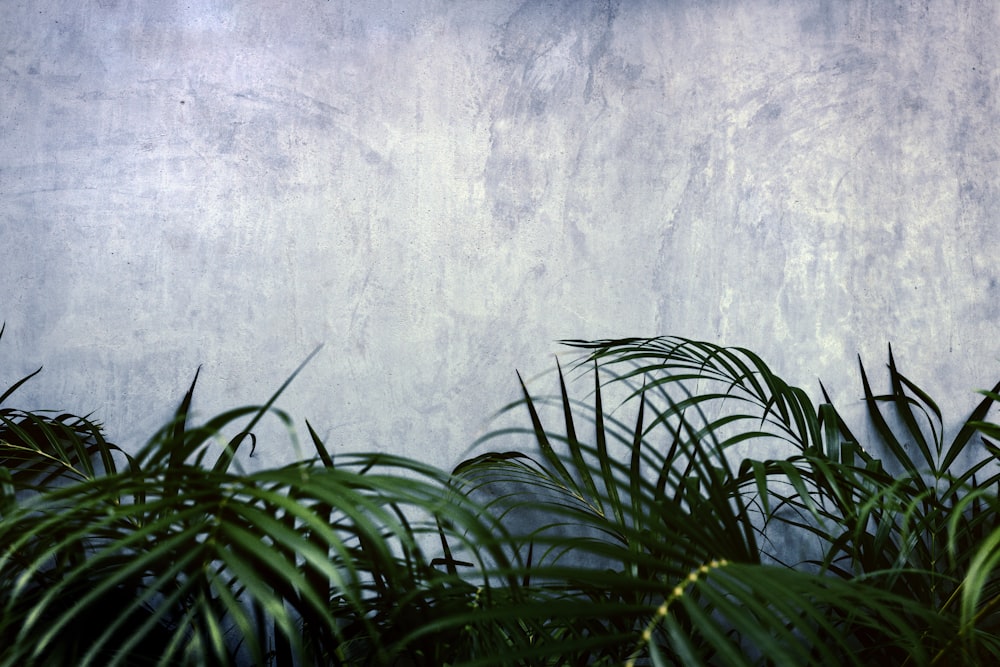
[(687, 506), (686, 487)]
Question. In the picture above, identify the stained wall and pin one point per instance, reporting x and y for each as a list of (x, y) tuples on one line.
[(440, 190)]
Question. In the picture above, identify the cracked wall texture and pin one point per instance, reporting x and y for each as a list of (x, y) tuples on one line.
[(439, 190)]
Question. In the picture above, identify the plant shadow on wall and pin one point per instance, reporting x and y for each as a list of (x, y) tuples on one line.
[(648, 534)]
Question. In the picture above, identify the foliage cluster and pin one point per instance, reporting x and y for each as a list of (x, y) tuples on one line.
[(715, 515)]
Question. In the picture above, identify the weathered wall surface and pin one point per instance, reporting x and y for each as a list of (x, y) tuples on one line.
[(439, 190)]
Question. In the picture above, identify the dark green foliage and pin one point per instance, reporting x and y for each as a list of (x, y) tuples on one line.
[(173, 558), (692, 509)]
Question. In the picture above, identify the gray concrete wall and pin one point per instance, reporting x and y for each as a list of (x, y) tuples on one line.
[(440, 189)]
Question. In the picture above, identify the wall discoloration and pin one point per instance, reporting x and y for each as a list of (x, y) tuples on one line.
[(440, 190)]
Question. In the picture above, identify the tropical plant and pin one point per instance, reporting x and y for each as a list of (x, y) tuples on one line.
[(712, 515), (678, 518), (169, 556)]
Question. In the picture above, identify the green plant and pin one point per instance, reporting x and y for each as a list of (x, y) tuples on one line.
[(713, 515), (171, 557), (673, 520)]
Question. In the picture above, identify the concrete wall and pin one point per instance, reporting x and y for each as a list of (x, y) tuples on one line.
[(441, 189)]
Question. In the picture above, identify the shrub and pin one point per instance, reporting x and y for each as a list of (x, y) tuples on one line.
[(715, 515)]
